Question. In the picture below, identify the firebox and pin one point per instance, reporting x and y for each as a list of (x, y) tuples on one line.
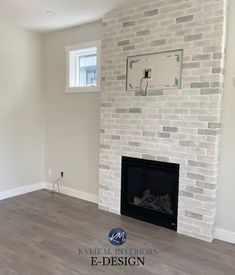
[(149, 191)]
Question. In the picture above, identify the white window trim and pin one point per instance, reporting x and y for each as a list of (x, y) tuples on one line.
[(96, 88)]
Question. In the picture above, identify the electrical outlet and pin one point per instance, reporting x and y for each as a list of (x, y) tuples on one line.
[(147, 73), (49, 172)]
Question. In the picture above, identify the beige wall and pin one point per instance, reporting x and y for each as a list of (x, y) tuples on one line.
[(226, 201), (21, 108), (72, 120)]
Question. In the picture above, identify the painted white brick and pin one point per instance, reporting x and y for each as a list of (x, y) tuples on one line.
[(137, 128)]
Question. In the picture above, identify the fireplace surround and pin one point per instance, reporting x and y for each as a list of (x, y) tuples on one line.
[(149, 191), (173, 126)]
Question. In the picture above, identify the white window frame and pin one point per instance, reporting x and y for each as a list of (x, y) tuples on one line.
[(97, 88)]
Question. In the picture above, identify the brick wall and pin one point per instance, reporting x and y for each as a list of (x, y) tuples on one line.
[(180, 126)]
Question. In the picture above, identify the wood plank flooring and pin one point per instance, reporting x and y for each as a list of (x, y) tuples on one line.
[(42, 235)]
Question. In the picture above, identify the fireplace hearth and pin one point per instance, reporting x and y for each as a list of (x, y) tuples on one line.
[(149, 191)]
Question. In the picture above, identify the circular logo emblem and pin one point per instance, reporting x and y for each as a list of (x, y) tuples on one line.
[(117, 236)]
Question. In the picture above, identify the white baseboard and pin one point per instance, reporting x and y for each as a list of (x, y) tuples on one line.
[(224, 235), (39, 186), (20, 191), (74, 193)]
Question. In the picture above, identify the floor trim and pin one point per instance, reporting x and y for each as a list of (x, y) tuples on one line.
[(20, 191), (74, 193), (225, 235), (38, 186)]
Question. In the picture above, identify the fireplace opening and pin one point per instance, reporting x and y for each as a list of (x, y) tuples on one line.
[(149, 191)]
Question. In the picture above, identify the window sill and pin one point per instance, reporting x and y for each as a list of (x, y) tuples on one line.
[(78, 90)]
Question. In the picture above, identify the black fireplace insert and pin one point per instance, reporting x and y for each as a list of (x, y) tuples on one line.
[(149, 191)]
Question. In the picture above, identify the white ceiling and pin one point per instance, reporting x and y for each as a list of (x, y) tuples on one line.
[(31, 14)]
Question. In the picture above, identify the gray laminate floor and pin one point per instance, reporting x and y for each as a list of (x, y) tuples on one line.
[(42, 235)]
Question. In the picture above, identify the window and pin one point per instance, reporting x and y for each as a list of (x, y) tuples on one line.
[(83, 67)]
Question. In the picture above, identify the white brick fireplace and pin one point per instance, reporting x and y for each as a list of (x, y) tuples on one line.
[(178, 126)]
